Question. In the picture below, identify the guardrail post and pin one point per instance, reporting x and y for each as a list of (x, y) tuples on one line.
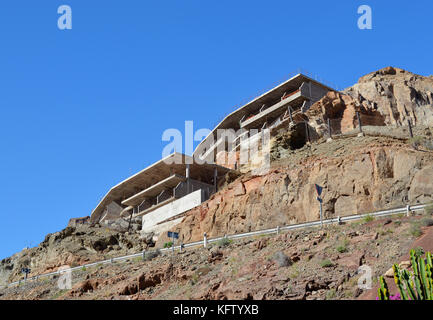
[(111, 260), (204, 240), (278, 229), (338, 220), (181, 247), (143, 255), (408, 211)]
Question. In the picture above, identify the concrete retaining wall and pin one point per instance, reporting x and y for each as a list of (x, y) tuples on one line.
[(172, 209)]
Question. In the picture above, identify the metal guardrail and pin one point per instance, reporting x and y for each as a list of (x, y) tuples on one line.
[(276, 230)]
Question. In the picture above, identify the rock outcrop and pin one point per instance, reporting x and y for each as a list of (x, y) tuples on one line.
[(398, 95), (73, 246)]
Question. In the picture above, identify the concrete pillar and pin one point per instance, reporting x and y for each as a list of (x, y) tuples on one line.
[(187, 171), (215, 179), (187, 175), (290, 113)]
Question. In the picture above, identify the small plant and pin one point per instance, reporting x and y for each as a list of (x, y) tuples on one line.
[(416, 141), (138, 259), (428, 210), (415, 230), (418, 251), (341, 249), (83, 268), (427, 222), (401, 215), (368, 218), (397, 222), (384, 232), (168, 244), (330, 294), (224, 242), (326, 263), (416, 285)]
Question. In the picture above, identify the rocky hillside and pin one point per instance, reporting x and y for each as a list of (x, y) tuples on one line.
[(383, 168), (73, 246), (308, 264)]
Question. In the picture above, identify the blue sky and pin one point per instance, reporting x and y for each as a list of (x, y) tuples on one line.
[(82, 109)]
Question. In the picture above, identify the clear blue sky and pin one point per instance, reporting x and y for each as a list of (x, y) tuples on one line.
[(82, 109)]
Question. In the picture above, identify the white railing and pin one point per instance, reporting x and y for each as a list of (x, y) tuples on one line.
[(278, 229)]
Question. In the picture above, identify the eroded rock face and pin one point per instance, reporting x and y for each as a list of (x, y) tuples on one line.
[(374, 178), (340, 109), (398, 95), (72, 246)]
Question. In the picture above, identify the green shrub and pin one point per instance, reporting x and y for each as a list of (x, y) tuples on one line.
[(342, 249), (427, 222), (415, 230), (418, 251), (224, 242), (331, 294), (428, 210), (168, 244), (416, 141), (368, 218), (326, 263)]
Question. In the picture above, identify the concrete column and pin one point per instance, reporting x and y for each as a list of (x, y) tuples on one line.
[(290, 113), (187, 175), (187, 171), (215, 179)]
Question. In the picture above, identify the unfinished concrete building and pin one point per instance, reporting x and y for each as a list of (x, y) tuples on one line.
[(164, 191), (161, 193), (284, 102)]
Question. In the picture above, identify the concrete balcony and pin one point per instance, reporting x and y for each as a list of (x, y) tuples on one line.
[(307, 94)]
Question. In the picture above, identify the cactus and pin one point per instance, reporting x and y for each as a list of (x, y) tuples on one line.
[(383, 291), (415, 285)]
